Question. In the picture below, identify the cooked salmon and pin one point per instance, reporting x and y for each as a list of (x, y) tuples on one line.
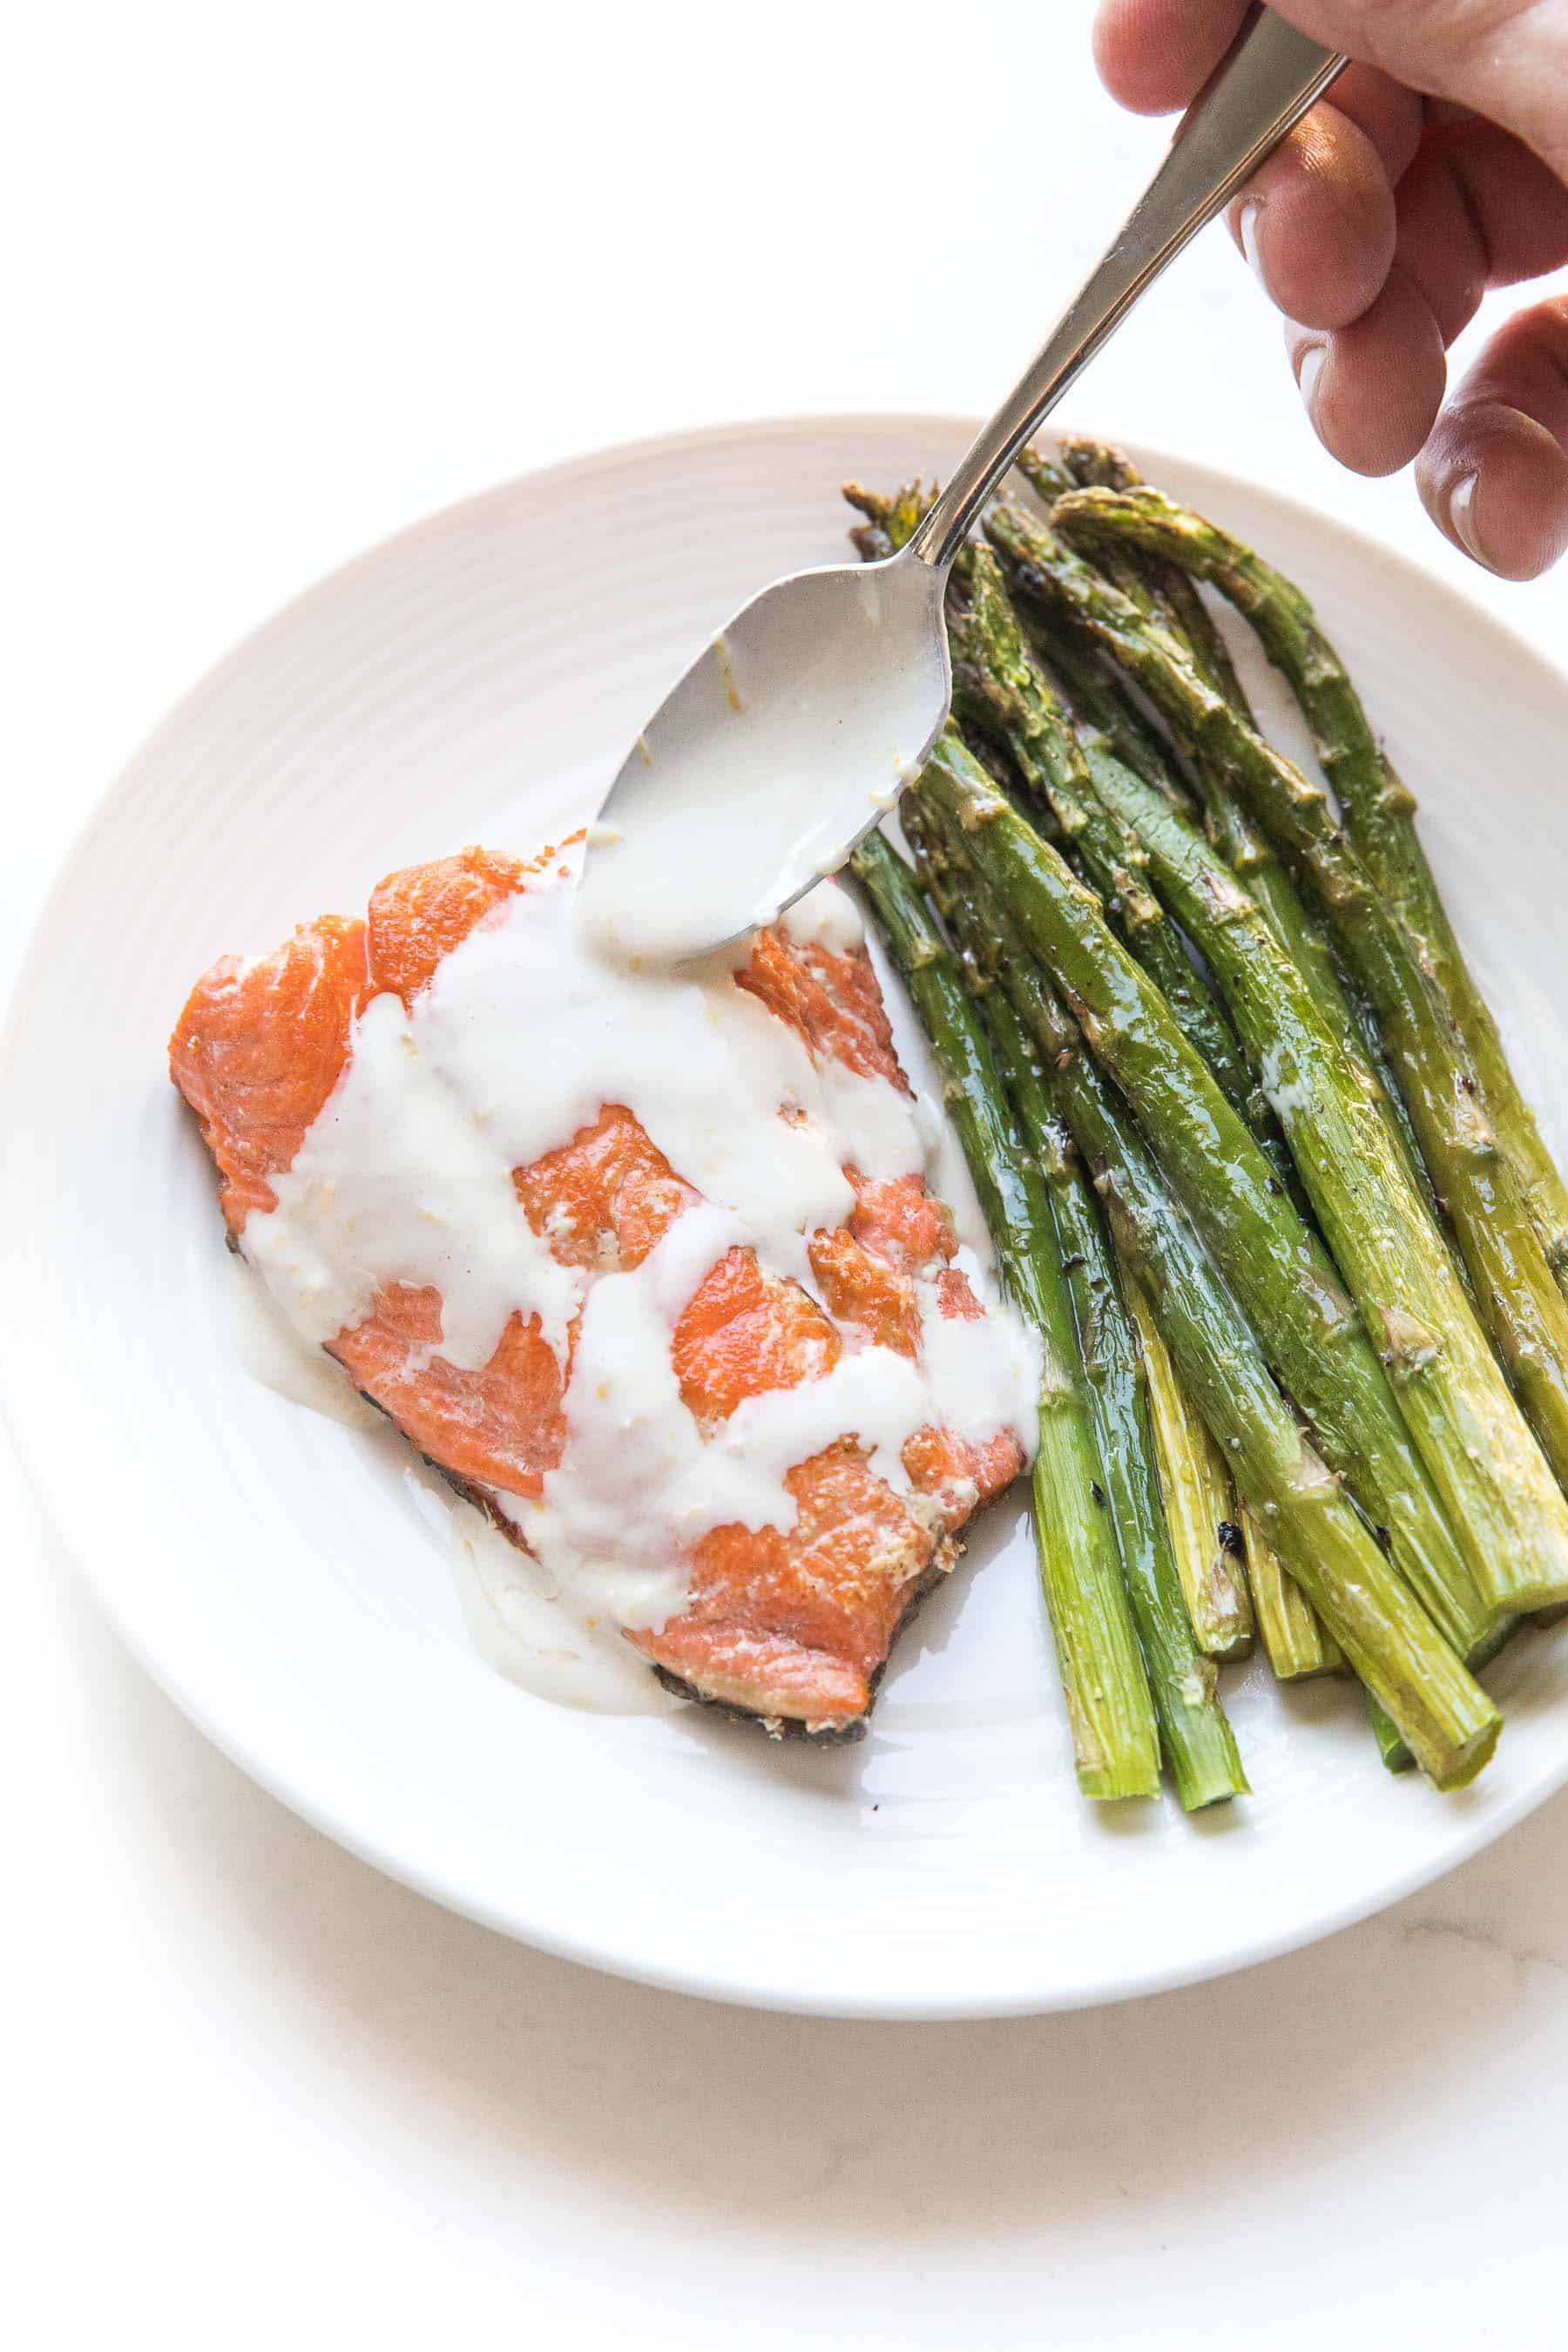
[(789, 1623)]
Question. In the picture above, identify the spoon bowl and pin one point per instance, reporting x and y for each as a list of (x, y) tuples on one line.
[(791, 735)]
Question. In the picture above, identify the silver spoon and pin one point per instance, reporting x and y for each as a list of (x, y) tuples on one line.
[(794, 731)]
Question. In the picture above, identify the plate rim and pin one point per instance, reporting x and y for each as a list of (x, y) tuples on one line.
[(55, 1499)]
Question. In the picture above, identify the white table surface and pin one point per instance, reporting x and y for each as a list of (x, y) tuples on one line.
[(279, 282)]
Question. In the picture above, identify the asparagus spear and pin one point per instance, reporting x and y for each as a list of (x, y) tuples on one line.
[(998, 684), (1527, 1313), (1104, 714), (1247, 850), (1378, 809), (1453, 1397), (1199, 1503), (1187, 1471), (1023, 705), (1294, 1641), (1094, 464), (1288, 1034), (1197, 1739), (1212, 1535), (1252, 857), (1115, 1740), (1231, 827), (1003, 699), (1211, 1532), (1162, 591), (1449, 1722), (1281, 1272), (1391, 1747), (1201, 1509), (1198, 1742)]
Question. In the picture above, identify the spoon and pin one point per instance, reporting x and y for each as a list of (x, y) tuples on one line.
[(794, 731)]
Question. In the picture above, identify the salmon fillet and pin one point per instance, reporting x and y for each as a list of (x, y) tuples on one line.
[(792, 1624)]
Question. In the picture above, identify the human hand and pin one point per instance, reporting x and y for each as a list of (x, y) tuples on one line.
[(1437, 168)]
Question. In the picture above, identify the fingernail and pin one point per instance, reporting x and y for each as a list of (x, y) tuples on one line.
[(1246, 228), (1462, 515), (1308, 368)]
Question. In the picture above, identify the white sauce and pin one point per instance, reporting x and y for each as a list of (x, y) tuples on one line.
[(519, 1620), (783, 743), (524, 1626), (397, 1181), (271, 1351), (1288, 1094), (948, 1176), (983, 1371), (521, 1039), (824, 917)]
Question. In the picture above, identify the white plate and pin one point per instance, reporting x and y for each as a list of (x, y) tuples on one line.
[(477, 678)]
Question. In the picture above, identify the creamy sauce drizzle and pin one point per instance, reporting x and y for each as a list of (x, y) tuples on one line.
[(274, 1356), (528, 1630), (521, 1040)]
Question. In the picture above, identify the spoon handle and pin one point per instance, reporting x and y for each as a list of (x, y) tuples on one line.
[(1257, 93)]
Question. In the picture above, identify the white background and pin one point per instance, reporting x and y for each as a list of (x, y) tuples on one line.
[(278, 282)]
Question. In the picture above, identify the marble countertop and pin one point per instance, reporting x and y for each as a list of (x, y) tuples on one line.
[(287, 295)]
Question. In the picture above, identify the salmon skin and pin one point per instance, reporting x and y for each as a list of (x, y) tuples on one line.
[(789, 1625)]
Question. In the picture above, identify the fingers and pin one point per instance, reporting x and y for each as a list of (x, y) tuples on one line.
[(1377, 231), (1505, 58), (1390, 114), (1494, 475), (1377, 282), (1475, 208), (1156, 54), (1442, 245), (1519, 207), (1318, 222), (1374, 389)]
